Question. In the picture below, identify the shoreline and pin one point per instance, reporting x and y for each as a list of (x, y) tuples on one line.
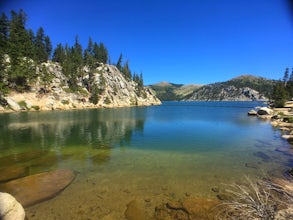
[(105, 106)]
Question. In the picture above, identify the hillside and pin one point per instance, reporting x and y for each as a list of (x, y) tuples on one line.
[(241, 88), (105, 86), (169, 91)]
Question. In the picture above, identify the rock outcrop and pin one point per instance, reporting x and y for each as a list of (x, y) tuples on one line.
[(113, 91), (222, 92), (10, 208)]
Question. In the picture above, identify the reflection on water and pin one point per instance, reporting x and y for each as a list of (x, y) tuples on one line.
[(44, 140), (152, 153)]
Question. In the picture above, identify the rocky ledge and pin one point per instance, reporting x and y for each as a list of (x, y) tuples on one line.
[(111, 90)]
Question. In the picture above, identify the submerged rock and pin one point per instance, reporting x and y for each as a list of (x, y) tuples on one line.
[(21, 157), (14, 172), (190, 208), (262, 155), (37, 188), (10, 208), (135, 211)]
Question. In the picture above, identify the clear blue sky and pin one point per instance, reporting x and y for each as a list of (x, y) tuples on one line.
[(180, 41)]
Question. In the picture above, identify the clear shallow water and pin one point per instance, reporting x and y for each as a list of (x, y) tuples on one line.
[(150, 153)]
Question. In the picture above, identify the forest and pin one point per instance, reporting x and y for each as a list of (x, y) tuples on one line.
[(22, 51)]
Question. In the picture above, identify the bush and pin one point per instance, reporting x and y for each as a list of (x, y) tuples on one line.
[(23, 105), (36, 107), (255, 200), (107, 100), (65, 102)]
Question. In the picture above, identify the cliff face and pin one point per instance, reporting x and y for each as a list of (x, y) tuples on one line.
[(113, 91)]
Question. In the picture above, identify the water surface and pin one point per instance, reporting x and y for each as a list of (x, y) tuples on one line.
[(153, 153)]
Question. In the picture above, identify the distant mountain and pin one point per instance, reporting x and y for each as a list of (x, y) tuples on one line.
[(166, 91), (241, 88)]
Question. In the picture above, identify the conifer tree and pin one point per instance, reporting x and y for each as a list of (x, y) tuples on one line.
[(89, 55), (20, 49), (48, 47), (126, 71), (4, 27), (280, 94), (119, 63), (59, 54)]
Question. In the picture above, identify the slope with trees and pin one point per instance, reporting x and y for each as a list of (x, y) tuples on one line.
[(25, 62)]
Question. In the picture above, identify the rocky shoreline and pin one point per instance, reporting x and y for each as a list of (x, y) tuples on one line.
[(113, 90)]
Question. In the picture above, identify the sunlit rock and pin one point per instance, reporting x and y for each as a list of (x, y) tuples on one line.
[(10, 208)]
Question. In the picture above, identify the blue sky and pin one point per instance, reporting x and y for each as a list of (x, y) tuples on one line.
[(186, 41)]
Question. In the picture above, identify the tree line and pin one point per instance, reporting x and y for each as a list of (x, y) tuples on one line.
[(283, 90), (22, 50)]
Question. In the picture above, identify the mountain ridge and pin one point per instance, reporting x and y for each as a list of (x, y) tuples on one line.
[(246, 87)]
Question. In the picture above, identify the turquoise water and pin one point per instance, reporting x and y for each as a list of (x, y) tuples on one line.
[(176, 149)]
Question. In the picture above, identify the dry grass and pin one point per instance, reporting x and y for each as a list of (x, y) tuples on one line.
[(259, 200)]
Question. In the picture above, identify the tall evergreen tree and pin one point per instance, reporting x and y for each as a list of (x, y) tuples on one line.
[(119, 63), (41, 54), (59, 54), (280, 94), (286, 76), (4, 27), (89, 55), (48, 47), (126, 71), (20, 49), (100, 53)]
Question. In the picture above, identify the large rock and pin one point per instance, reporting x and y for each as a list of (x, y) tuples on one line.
[(265, 111), (37, 188), (13, 105), (10, 208), (252, 112)]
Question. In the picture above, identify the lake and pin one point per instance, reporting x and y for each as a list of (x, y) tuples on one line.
[(175, 150)]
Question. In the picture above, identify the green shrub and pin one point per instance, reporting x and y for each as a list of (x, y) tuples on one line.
[(107, 101), (65, 102), (36, 107), (23, 105)]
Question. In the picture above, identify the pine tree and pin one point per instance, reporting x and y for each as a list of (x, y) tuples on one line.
[(100, 53), (119, 63), (48, 47), (103, 54), (59, 54), (41, 54), (4, 27), (280, 94), (20, 49), (126, 71), (286, 76), (89, 55)]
